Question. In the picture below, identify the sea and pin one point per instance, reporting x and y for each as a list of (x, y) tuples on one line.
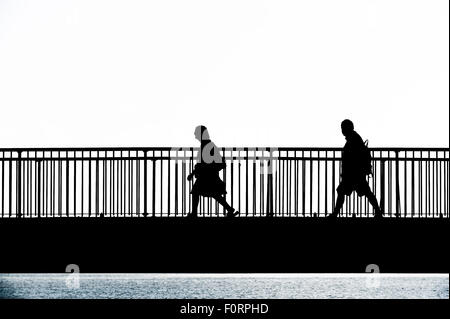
[(224, 286)]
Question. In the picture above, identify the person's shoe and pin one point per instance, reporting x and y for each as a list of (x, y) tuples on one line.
[(378, 214), (332, 216), (191, 215), (233, 214)]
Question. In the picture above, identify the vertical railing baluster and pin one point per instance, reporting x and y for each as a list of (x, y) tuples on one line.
[(224, 173), (19, 184), (289, 176), (283, 187), (131, 184), (405, 183), (428, 197), (303, 184), (254, 186), (59, 185), (435, 191), (326, 184), (52, 185), (389, 184), (183, 184), (232, 179), (318, 184), (269, 205), (161, 187), (121, 186), (382, 184), (168, 183), (333, 182), (74, 184), (153, 185), (296, 188), (145, 184), (440, 189), (111, 185), (90, 184), (176, 184), (246, 181), (420, 184), (374, 183), (35, 180), (447, 184), (262, 181), (3, 184), (38, 184), (311, 189), (190, 184), (45, 182), (104, 185), (82, 183), (413, 188), (97, 185), (67, 183), (239, 181), (10, 185), (397, 185), (115, 180), (432, 189)]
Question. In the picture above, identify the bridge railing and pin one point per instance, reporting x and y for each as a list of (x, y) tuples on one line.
[(152, 182)]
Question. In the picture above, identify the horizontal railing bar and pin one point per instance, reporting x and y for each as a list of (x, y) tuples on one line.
[(423, 159), (165, 158), (125, 149), (371, 148)]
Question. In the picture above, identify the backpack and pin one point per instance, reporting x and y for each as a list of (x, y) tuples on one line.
[(209, 169), (366, 159)]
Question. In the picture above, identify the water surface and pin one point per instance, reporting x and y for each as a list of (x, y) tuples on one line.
[(223, 286)]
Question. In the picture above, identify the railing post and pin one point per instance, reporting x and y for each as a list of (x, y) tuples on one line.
[(412, 186), (154, 185), (38, 185), (246, 181), (19, 185), (397, 186), (269, 208), (145, 184), (382, 185), (67, 186), (10, 186)]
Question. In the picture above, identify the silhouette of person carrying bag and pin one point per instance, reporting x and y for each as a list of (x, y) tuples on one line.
[(355, 166), (206, 173)]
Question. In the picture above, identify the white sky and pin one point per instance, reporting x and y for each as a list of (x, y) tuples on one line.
[(272, 73)]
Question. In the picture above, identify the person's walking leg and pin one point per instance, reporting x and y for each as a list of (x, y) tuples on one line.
[(339, 201), (222, 201), (195, 201), (366, 191), (373, 201)]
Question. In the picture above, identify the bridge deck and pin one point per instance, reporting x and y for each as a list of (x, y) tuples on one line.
[(223, 245)]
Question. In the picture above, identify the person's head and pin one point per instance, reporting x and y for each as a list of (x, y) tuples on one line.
[(201, 133), (347, 127)]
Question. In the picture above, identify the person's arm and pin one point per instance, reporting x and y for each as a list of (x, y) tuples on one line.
[(193, 173)]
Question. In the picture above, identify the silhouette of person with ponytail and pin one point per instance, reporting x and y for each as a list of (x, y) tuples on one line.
[(206, 173)]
